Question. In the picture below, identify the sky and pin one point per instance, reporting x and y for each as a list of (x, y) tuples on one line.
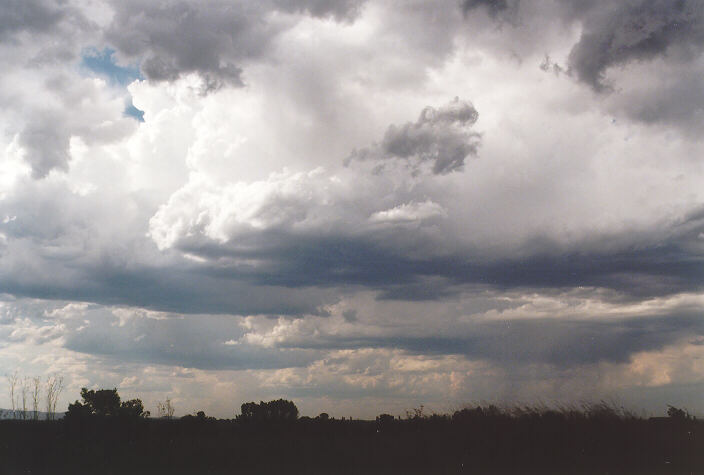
[(361, 206)]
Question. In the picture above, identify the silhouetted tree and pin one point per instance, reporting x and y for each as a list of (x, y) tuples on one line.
[(36, 392), (12, 380), (105, 403), (165, 409), (385, 419), (133, 408), (679, 414), (24, 391), (278, 410), (54, 386), (197, 418)]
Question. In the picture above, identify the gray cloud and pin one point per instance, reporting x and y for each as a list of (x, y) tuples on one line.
[(171, 38), (213, 39), (632, 31), (554, 341), (339, 9), (34, 16), (204, 342), (440, 137), (46, 142), (494, 7), (642, 56), (664, 267)]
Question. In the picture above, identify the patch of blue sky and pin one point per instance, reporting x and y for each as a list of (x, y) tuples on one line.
[(102, 63), (132, 111)]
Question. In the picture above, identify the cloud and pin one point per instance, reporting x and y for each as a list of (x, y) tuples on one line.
[(199, 342), (33, 16), (289, 209), (494, 7), (339, 9), (564, 330), (174, 38), (620, 51), (440, 138), (551, 341), (404, 219), (409, 212), (633, 31), (46, 145)]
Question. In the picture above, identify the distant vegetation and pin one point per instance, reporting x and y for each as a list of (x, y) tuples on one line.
[(104, 435)]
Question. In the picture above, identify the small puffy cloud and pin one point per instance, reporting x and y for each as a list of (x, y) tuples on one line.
[(440, 138), (409, 212)]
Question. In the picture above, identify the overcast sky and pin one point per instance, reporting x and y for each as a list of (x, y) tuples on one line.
[(362, 206)]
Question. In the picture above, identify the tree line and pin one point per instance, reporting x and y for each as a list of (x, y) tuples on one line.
[(102, 433)]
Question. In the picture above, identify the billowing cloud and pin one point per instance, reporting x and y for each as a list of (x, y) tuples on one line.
[(440, 138), (34, 16), (215, 40), (635, 31)]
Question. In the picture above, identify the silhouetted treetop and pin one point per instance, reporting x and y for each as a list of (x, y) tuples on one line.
[(278, 410), (105, 403)]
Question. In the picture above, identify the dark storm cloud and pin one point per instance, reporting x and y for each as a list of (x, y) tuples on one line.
[(619, 34), (667, 267), (558, 342), (212, 39), (633, 31), (34, 16), (178, 37), (173, 289), (339, 9), (206, 342), (494, 7), (440, 137)]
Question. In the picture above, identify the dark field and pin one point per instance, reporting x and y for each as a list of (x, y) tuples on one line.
[(597, 439)]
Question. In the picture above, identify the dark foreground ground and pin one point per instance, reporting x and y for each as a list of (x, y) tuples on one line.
[(471, 441)]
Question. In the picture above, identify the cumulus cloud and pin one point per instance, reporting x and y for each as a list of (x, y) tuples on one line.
[(440, 137), (619, 51), (633, 31), (319, 205), (174, 38), (33, 16), (171, 38)]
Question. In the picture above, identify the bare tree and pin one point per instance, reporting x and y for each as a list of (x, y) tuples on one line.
[(54, 386), (165, 409), (24, 391), (13, 379), (36, 391)]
